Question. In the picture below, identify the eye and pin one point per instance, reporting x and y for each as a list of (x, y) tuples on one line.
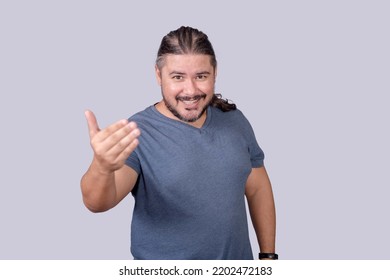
[(201, 77), (177, 77)]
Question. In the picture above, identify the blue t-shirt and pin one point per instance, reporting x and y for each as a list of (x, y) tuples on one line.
[(189, 196)]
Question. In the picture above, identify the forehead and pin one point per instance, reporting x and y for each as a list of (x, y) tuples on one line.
[(187, 62)]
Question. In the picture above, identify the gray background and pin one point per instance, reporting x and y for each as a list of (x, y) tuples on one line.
[(311, 76)]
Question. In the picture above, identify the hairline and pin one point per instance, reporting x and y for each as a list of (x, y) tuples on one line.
[(160, 61)]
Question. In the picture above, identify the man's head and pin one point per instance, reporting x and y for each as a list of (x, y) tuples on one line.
[(186, 71), (185, 40)]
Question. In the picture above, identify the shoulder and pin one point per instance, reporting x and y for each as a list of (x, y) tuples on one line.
[(235, 121), (142, 115), (147, 118), (235, 116)]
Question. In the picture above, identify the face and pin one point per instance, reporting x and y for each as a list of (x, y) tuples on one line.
[(187, 85)]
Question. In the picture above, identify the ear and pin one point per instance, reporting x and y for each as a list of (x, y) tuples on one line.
[(158, 74), (215, 73)]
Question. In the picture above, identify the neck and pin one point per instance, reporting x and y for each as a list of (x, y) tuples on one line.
[(161, 108)]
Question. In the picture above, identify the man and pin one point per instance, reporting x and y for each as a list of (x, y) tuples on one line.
[(189, 161)]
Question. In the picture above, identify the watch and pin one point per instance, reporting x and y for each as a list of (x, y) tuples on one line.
[(271, 256)]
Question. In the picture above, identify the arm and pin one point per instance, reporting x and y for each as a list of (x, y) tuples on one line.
[(108, 180), (259, 194), (102, 191)]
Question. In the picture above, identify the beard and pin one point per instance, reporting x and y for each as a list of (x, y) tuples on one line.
[(192, 117)]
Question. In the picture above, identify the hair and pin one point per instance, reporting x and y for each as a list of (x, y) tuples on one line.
[(188, 40)]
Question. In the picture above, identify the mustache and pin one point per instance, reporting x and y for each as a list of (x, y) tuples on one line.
[(191, 98)]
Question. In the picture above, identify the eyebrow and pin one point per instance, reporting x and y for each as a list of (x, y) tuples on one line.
[(176, 73), (182, 73)]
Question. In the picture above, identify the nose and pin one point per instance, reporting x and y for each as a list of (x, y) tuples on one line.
[(189, 87)]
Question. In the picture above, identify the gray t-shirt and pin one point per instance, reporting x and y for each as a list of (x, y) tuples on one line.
[(189, 196)]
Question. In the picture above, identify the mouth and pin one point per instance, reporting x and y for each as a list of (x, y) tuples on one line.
[(191, 100)]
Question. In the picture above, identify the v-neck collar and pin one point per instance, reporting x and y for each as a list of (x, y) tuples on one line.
[(165, 118)]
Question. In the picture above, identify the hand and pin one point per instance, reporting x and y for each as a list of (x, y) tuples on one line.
[(112, 145)]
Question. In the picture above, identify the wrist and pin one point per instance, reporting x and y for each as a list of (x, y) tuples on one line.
[(100, 169)]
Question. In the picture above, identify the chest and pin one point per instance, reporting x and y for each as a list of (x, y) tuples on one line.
[(194, 159)]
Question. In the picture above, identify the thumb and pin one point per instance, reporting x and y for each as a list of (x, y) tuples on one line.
[(92, 123)]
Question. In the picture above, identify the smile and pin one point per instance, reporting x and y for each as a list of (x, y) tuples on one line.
[(189, 100)]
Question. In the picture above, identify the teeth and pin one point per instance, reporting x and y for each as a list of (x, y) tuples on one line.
[(189, 102)]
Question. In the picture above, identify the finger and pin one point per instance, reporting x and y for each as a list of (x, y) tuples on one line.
[(111, 141), (118, 154), (123, 138), (92, 123), (113, 134), (126, 152)]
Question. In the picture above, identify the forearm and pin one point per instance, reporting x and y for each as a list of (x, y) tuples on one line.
[(98, 188), (262, 210)]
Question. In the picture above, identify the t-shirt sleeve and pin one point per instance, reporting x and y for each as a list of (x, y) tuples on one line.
[(256, 153), (133, 162)]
